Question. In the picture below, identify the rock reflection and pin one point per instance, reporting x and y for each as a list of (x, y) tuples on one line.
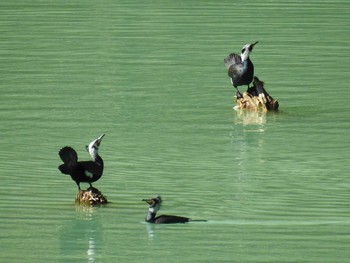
[(251, 118), (91, 250), (81, 235)]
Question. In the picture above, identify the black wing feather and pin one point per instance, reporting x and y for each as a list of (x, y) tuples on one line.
[(169, 219), (232, 59), (92, 167), (68, 155)]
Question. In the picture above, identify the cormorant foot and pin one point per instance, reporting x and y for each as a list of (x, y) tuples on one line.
[(239, 95), (92, 189)]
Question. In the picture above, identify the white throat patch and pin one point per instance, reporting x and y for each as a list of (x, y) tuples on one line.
[(245, 54), (93, 149)]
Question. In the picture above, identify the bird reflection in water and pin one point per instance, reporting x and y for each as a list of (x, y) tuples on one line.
[(150, 231)]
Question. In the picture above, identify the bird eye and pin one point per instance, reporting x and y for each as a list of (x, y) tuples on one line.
[(243, 50)]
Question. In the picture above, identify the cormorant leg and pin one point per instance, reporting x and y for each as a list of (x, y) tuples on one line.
[(91, 188), (238, 94)]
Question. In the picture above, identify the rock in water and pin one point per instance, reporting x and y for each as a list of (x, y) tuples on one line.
[(91, 197), (256, 98)]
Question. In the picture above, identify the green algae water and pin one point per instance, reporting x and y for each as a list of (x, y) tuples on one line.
[(274, 187)]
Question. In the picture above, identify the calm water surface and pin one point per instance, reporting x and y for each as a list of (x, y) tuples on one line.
[(273, 187)]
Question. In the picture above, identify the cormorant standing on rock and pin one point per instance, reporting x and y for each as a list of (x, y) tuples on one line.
[(82, 171), (240, 67)]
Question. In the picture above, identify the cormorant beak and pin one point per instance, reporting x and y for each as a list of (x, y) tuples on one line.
[(153, 201), (148, 201), (96, 142), (99, 139), (250, 47)]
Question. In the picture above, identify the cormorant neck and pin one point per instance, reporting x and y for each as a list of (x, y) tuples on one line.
[(245, 56), (151, 215), (97, 159)]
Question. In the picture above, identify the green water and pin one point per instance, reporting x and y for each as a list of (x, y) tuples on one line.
[(273, 187)]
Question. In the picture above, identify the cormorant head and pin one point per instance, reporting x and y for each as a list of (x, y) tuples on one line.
[(154, 203), (246, 50), (92, 148)]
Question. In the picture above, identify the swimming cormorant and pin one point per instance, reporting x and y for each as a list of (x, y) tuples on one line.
[(154, 206)]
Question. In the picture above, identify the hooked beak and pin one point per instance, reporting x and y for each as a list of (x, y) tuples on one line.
[(97, 142), (251, 46), (148, 201), (99, 139)]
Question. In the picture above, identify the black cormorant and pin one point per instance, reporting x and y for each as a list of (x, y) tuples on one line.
[(240, 67), (154, 206), (82, 171)]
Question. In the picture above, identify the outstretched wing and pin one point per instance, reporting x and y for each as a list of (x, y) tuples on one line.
[(232, 59), (235, 72), (68, 155)]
